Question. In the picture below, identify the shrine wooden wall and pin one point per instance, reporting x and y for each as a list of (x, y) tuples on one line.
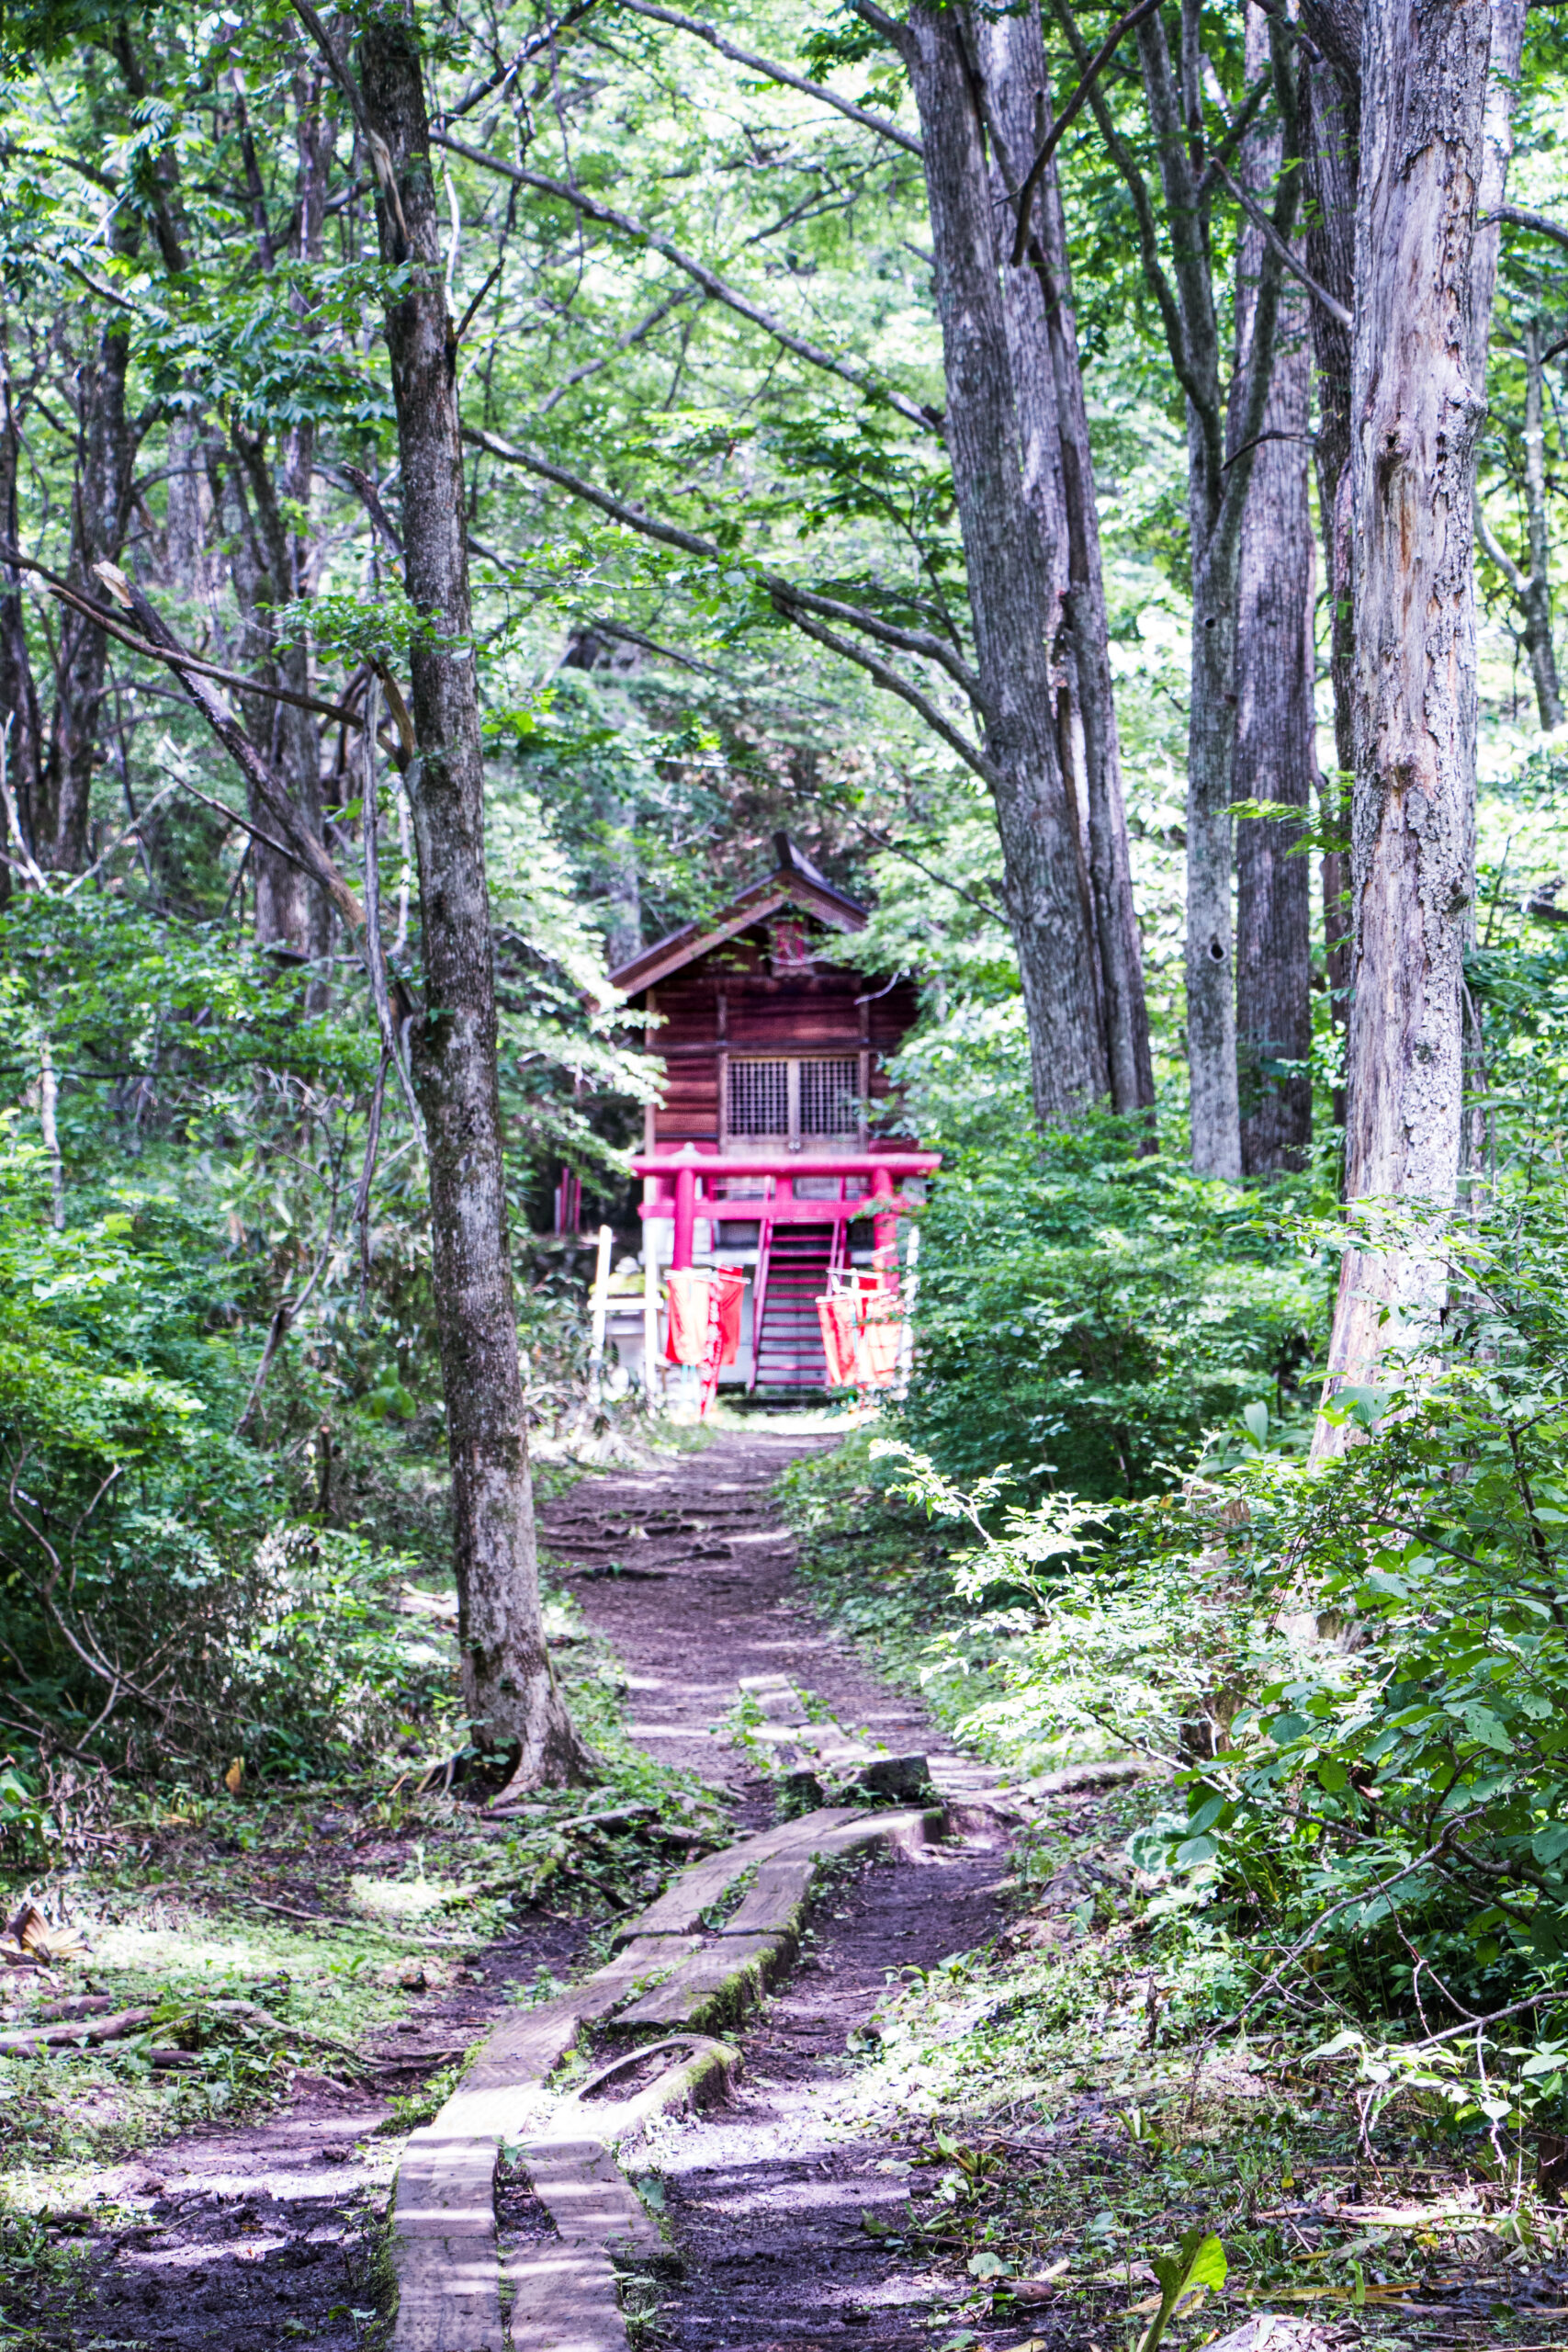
[(744, 997)]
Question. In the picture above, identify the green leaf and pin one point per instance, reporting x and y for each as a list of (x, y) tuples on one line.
[(1284, 1728), (1199, 2262)]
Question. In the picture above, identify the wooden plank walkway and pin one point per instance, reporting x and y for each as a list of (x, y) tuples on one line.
[(671, 1971)]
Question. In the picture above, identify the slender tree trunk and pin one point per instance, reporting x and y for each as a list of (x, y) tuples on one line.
[(1276, 757), (508, 1684), (1531, 588), (18, 693), (314, 142), (1009, 585), (1217, 491), (1210, 962), (1505, 48), (296, 753), (282, 922), (1537, 599), (100, 503), (1122, 998), (1416, 414), (1331, 113)]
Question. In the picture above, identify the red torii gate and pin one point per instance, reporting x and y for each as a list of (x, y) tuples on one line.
[(760, 1189)]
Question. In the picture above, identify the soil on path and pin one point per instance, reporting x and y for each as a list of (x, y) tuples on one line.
[(263, 2236), (769, 2197)]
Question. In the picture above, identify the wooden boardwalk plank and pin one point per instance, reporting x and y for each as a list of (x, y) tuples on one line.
[(775, 1904), (445, 2250), (715, 1986)]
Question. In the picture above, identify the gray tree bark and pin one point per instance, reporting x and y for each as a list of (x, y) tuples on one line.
[(1415, 413), (509, 1687), (100, 506), (1009, 571), (1276, 753), (1331, 115), (1531, 588), (1218, 482), (1012, 85), (268, 505), (19, 691), (1087, 635)]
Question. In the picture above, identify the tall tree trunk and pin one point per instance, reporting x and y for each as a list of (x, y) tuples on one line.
[(1331, 114), (1013, 82), (99, 506), (1531, 588), (315, 138), (1537, 599), (1507, 47), (1416, 414), (275, 565), (1124, 1003), (296, 752), (508, 1685), (1223, 429), (18, 693), (282, 919), (1276, 755), (1010, 581)]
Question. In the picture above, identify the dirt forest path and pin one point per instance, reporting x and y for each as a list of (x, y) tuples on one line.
[(767, 2195)]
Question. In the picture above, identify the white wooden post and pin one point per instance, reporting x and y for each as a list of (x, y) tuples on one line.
[(649, 1311), (600, 1304), (910, 1287)]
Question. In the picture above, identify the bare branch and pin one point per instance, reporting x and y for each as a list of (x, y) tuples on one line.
[(1138, 188), (775, 72), (306, 848), (1518, 217), (1068, 116), (1497, 551), (65, 594), (534, 45), (1291, 260), (889, 680), (903, 640), (849, 371)]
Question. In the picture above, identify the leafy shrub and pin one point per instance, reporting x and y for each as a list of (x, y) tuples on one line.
[(152, 1602), (1086, 1314), (1357, 1674)]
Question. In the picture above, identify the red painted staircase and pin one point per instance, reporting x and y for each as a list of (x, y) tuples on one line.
[(793, 1266)]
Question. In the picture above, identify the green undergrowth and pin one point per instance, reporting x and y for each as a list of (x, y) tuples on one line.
[(880, 1568), (282, 1928), (1068, 2136), (1332, 1920)]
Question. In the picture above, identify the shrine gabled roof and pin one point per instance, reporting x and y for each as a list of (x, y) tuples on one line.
[(795, 882)]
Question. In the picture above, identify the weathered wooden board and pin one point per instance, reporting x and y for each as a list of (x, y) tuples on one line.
[(449, 2296), (566, 2300), (716, 1985), (444, 2249), (591, 2201), (521, 2051), (775, 1902), (680, 1909)]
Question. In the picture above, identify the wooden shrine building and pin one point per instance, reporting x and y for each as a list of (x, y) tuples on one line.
[(760, 1151)]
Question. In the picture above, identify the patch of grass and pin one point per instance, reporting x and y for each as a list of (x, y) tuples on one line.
[(326, 1908)]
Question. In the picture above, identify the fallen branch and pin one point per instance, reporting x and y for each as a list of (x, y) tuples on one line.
[(74, 2031)]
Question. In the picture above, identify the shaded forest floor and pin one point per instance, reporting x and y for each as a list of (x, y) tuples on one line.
[(967, 2119)]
